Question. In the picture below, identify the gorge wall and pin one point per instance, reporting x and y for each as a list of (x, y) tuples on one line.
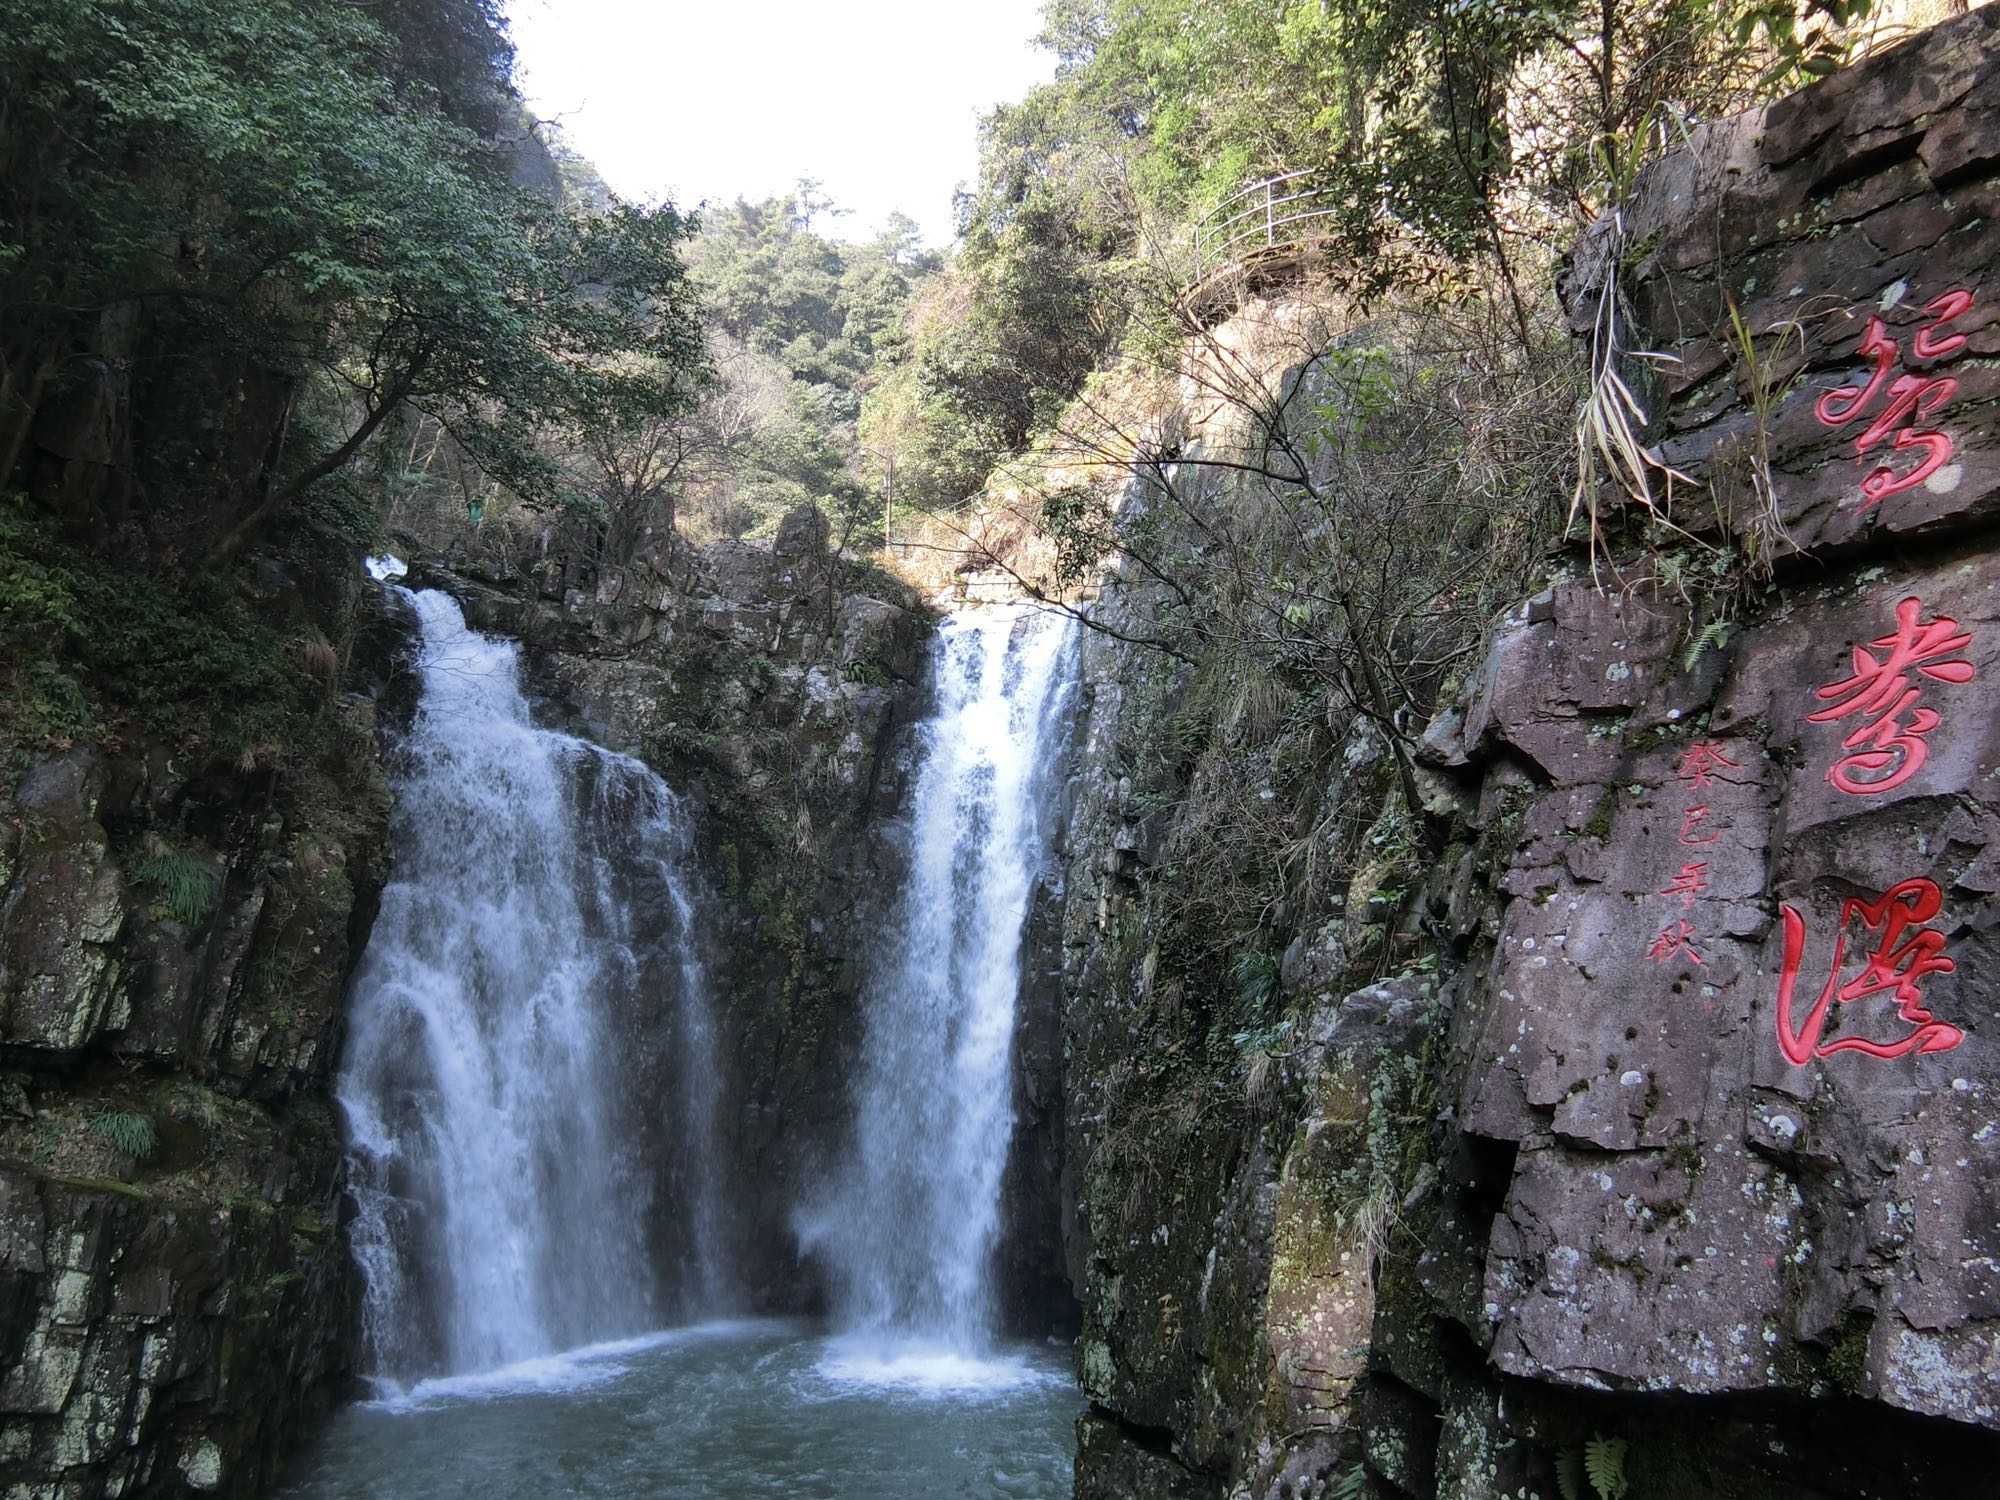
[(175, 940), (1679, 1155), (1640, 1090)]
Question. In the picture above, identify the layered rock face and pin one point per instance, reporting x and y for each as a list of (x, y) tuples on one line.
[(1739, 1017), (1231, 1181), (1705, 1085), (175, 937)]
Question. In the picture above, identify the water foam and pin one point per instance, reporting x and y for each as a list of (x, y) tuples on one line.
[(529, 1036)]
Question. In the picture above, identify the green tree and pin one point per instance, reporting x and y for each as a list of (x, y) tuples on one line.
[(317, 189)]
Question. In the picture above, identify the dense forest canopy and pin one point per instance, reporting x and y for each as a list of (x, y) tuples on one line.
[(799, 323), (1454, 147), (288, 261), (245, 245)]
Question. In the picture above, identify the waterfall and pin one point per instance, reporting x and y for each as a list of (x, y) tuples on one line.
[(909, 1229), (529, 1079)]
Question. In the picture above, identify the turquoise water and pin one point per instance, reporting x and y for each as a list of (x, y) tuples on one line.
[(724, 1411)]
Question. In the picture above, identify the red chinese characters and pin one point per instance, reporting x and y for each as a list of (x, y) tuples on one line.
[(1883, 751), (1699, 765), (1691, 881), (1699, 760), (1905, 953), (1691, 820), (1672, 941), (1904, 401), (1887, 747)]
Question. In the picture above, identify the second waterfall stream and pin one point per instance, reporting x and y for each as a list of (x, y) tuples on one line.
[(530, 1042), (911, 1220)]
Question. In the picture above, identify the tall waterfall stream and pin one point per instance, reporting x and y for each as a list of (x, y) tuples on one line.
[(910, 1228), (529, 1085)]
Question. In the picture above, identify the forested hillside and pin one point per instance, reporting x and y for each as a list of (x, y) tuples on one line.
[(1454, 150), (256, 254), (1199, 677)]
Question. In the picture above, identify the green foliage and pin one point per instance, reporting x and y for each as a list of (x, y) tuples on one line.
[(823, 309), (130, 1133), (46, 706), (1259, 988), (1604, 1463), (87, 649), (1847, 1354), (1569, 1474), (1453, 149), (1034, 298), (183, 881), (1714, 633), (799, 324), (309, 186), (1806, 42)]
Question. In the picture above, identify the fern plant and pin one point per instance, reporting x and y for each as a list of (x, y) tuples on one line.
[(130, 1134), (1255, 975), (1604, 1466), (1600, 1464), (183, 882), (1714, 633)]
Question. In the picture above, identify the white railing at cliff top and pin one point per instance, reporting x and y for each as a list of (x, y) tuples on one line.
[(1263, 216)]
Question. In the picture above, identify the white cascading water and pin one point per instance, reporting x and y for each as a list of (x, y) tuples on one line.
[(910, 1228), (529, 1081)]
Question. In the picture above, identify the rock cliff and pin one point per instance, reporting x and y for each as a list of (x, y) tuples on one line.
[(1679, 1154), (175, 937)]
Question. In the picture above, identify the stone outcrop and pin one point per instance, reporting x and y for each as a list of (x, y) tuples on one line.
[(175, 935), (1688, 1144), (1738, 1020)]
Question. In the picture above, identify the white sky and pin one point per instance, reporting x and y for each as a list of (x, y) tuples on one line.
[(719, 99)]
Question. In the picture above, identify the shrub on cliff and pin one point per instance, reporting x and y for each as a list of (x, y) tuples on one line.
[(89, 651)]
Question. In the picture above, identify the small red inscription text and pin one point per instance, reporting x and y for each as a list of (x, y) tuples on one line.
[(1673, 941), (1692, 879), (1691, 819), (1699, 760)]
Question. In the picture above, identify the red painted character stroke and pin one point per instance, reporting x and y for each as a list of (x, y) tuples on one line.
[(1699, 760), (1886, 750), (1692, 880), (1691, 819), (1897, 966), (1673, 941), (1909, 399)]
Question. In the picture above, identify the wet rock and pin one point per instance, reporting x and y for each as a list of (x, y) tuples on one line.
[(63, 911)]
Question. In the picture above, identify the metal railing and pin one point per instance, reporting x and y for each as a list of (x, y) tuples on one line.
[(1263, 216)]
